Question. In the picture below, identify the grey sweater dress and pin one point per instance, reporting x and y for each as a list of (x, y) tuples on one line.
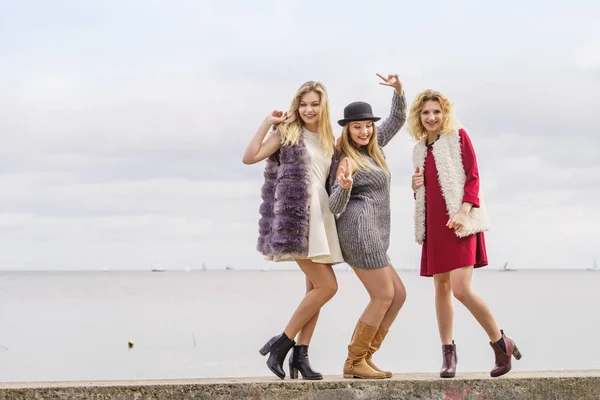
[(363, 223)]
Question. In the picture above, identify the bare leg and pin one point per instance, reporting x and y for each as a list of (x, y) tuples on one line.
[(324, 288), (397, 303), (443, 306), (307, 330), (380, 286), (461, 286)]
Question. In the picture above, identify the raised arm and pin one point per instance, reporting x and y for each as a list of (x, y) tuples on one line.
[(258, 149), (388, 128)]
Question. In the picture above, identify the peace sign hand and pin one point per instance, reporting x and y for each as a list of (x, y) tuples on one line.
[(345, 174), (393, 81)]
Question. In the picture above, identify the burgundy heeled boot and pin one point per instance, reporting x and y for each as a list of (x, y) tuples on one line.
[(503, 358), (449, 360)]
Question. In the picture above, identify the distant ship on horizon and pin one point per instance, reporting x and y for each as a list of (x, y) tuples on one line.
[(505, 268), (158, 268), (594, 266)]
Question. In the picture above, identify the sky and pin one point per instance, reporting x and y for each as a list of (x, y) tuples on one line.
[(123, 123)]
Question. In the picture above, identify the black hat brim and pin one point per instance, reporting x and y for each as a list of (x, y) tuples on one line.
[(344, 121)]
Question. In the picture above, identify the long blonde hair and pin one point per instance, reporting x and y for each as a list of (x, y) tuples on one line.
[(350, 149), (416, 128), (291, 129)]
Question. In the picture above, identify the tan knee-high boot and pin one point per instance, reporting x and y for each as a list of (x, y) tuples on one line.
[(375, 345), (355, 365)]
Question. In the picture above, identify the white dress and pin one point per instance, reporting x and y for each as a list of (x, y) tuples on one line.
[(323, 242)]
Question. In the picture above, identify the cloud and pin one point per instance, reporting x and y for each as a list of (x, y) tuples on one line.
[(123, 125)]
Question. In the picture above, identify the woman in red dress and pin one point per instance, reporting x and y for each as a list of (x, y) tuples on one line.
[(450, 219)]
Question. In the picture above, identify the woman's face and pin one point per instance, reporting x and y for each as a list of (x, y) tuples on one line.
[(432, 116), (309, 108), (361, 132)]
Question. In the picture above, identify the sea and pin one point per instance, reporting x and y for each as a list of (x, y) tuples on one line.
[(130, 325)]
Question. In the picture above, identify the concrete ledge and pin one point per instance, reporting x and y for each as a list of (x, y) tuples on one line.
[(547, 385)]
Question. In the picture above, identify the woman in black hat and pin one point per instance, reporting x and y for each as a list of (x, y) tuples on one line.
[(361, 200)]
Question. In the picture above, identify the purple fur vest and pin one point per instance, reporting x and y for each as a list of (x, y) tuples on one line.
[(285, 209)]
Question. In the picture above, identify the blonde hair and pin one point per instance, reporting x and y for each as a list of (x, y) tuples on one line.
[(416, 128), (291, 128), (350, 149)]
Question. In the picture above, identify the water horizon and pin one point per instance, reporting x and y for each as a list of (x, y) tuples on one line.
[(76, 325)]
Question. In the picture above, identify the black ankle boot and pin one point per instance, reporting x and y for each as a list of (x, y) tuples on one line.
[(299, 362), (278, 346)]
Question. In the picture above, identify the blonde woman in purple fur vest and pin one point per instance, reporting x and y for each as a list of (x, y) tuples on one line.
[(296, 223)]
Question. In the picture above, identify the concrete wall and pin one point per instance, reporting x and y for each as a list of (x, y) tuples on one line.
[(563, 385)]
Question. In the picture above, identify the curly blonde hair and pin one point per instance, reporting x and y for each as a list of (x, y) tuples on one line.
[(290, 129), (416, 128), (350, 149)]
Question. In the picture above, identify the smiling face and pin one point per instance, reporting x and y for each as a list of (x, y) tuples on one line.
[(309, 108), (432, 116), (360, 132)]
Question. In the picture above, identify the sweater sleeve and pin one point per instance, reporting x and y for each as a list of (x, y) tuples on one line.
[(331, 178), (339, 198), (469, 161), (392, 124)]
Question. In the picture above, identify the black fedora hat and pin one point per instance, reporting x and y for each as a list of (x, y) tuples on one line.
[(358, 111)]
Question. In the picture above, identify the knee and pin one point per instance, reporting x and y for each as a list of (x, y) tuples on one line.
[(385, 297), (400, 297), (443, 288), (461, 293), (329, 289)]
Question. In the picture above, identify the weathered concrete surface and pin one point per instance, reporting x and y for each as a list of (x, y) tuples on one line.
[(547, 385)]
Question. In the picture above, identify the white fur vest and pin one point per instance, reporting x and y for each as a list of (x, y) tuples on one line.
[(452, 177)]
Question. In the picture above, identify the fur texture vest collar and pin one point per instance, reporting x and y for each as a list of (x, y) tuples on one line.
[(284, 212), (451, 176)]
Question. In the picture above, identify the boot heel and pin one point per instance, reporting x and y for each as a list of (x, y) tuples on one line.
[(293, 371), (265, 349), (517, 353)]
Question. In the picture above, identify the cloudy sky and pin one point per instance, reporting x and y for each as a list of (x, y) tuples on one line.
[(123, 123)]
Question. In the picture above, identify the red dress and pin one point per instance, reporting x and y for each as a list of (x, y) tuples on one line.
[(443, 251)]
